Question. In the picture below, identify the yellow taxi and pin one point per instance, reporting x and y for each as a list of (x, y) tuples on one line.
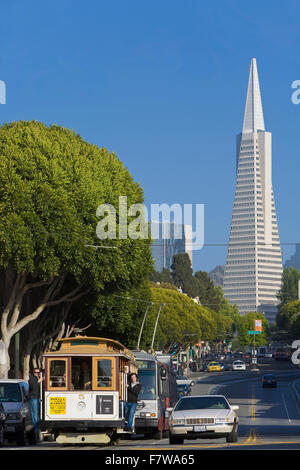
[(213, 367)]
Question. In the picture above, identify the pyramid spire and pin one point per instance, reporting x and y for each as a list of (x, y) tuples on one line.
[(253, 117)]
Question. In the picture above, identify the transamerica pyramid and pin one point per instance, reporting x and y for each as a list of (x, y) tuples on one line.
[(253, 269)]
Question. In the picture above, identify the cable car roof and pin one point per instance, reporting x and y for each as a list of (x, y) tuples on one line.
[(90, 345)]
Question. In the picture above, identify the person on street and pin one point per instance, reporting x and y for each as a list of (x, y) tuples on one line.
[(133, 390), (34, 395)]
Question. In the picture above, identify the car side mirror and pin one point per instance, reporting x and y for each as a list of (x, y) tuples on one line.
[(169, 410), (235, 407)]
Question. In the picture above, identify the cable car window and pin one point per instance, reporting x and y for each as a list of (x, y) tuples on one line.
[(103, 374), (81, 376), (57, 374)]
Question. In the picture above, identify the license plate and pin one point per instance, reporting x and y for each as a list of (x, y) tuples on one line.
[(10, 428), (199, 428)]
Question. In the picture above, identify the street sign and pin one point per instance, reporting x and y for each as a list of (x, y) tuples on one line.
[(258, 325), (253, 332)]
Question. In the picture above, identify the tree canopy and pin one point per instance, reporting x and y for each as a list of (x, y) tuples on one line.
[(247, 324), (289, 289), (51, 184)]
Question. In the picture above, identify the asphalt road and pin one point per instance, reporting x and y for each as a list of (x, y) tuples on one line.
[(268, 418)]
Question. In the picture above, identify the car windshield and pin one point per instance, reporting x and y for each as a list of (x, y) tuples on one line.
[(10, 392), (147, 380), (202, 403), (269, 376), (182, 387)]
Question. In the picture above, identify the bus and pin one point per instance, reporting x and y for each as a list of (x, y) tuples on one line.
[(158, 393), (84, 390)]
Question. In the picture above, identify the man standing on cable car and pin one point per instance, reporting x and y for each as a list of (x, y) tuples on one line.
[(133, 390)]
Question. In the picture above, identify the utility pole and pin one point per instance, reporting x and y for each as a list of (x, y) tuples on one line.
[(154, 332), (142, 326)]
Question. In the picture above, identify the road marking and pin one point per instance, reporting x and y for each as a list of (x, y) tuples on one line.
[(253, 404), (286, 407)]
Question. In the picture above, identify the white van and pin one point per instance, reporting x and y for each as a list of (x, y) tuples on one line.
[(14, 398)]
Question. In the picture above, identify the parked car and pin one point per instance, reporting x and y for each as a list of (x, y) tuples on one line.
[(238, 365), (2, 424), (214, 367), (224, 366), (269, 380), (14, 399), (281, 355), (181, 380), (205, 416)]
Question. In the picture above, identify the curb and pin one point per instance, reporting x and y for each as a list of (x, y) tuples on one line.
[(296, 389)]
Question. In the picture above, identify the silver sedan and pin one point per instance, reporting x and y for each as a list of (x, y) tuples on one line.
[(204, 416)]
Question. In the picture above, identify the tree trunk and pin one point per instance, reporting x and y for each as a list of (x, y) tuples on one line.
[(26, 365), (4, 359)]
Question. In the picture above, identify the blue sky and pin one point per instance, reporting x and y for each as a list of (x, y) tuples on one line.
[(163, 84)]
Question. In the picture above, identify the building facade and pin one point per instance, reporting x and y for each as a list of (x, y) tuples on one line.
[(253, 269), (172, 239), (294, 260)]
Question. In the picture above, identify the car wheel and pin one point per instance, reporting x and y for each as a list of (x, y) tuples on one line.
[(233, 436), (175, 439), (32, 437)]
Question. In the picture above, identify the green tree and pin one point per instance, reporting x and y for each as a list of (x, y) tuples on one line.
[(289, 289), (182, 274), (119, 316), (287, 315), (51, 184), (247, 323), (179, 317), (163, 276)]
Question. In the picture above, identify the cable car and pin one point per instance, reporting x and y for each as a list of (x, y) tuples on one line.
[(84, 390)]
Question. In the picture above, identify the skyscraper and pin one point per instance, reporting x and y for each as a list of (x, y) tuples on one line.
[(254, 261), (173, 239)]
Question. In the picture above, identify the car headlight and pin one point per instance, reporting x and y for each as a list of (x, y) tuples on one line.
[(24, 411), (177, 421), (148, 415), (222, 420)]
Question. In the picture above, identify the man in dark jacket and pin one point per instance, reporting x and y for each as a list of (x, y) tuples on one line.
[(34, 394), (133, 390)]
